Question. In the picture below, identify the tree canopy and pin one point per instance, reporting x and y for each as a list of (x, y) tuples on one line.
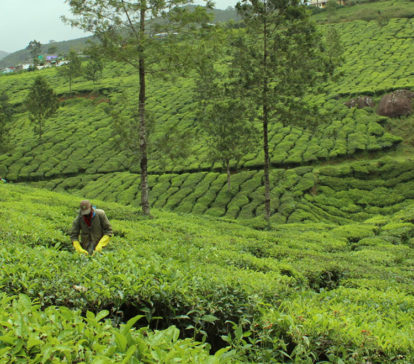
[(149, 36), (42, 103)]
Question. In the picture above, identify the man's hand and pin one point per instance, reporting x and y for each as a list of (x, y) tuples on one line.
[(103, 242), (78, 248)]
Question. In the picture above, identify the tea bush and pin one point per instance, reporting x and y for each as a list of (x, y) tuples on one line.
[(279, 288), (58, 334)]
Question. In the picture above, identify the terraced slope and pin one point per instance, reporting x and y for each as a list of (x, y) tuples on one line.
[(300, 292), (352, 191), (79, 152), (377, 58)]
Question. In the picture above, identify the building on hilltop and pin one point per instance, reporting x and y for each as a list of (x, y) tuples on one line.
[(52, 58), (8, 70), (24, 67), (322, 3)]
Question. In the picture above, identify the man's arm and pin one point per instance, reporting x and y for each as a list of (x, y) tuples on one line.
[(106, 231), (74, 233), (106, 225)]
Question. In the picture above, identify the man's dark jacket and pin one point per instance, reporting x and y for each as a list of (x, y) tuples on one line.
[(90, 235)]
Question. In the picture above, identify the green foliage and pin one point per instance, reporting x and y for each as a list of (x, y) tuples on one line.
[(71, 70), (34, 47), (330, 279), (282, 294), (365, 10), (6, 114), (223, 116), (93, 69), (60, 334), (391, 42), (42, 103)]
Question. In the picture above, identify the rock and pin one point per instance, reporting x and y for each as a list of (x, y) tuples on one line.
[(397, 103), (360, 102)]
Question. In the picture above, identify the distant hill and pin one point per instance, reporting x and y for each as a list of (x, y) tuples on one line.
[(3, 54), (23, 55), (64, 47)]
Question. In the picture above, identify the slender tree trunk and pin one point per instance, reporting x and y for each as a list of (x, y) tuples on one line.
[(70, 84), (41, 122), (265, 125), (228, 175), (142, 127)]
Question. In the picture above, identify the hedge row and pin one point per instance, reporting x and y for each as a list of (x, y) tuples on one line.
[(352, 191), (80, 137), (377, 58), (81, 140), (287, 291)]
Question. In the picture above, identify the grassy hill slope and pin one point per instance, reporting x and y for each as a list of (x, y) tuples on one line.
[(79, 150), (302, 290), (330, 281)]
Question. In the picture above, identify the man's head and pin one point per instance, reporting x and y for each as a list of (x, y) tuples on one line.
[(85, 207)]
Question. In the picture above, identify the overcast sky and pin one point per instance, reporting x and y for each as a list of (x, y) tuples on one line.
[(24, 20)]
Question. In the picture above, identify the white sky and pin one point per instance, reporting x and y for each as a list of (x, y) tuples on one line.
[(24, 20)]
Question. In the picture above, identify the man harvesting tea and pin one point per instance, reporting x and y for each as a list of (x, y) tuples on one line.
[(94, 229)]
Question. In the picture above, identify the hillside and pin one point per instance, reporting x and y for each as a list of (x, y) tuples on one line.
[(381, 11), (299, 291), (63, 47), (206, 279), (3, 54), (382, 56)]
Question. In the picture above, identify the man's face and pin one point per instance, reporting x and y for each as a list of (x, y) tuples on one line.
[(85, 207)]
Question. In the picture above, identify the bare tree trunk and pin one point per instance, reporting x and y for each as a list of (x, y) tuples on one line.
[(142, 127), (265, 127), (228, 175)]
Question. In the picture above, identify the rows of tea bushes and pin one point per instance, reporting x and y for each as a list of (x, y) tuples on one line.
[(80, 139), (298, 292), (351, 191), (376, 58), (381, 11)]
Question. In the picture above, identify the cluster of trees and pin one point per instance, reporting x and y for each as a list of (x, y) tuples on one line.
[(42, 102), (256, 73), (247, 76), (92, 71)]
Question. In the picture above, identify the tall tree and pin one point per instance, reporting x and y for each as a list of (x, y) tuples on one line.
[(34, 48), (331, 7), (71, 70), (223, 115), (94, 67), (279, 59), (42, 103), (151, 47), (334, 49), (6, 114)]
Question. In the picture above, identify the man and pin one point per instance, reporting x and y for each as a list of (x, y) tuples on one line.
[(93, 227)]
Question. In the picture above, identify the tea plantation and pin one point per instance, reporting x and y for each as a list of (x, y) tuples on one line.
[(206, 279), (316, 291)]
